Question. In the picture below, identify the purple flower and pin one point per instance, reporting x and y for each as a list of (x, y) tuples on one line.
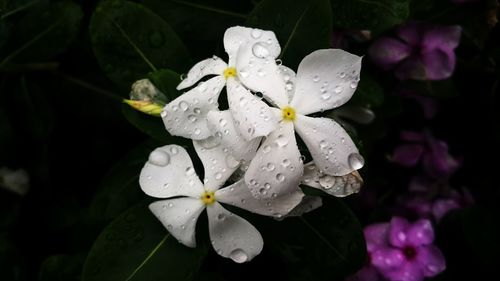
[(405, 251), (425, 149), (421, 51)]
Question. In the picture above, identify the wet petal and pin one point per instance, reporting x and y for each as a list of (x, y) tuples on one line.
[(326, 79), (252, 117), (238, 194), (289, 78), (339, 186), (421, 233), (331, 147), (240, 36), (277, 167), (179, 217), (186, 115), (232, 236), (214, 158), (398, 235), (309, 203), (169, 172), (261, 73), (387, 52), (211, 66), (238, 148), (431, 259)]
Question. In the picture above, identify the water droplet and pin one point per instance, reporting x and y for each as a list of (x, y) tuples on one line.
[(231, 162), (270, 167), (221, 217), (285, 163), (267, 186), (159, 158), (261, 72), (174, 150), (170, 205), (281, 140), (260, 50), (183, 105), (342, 74), (266, 148), (189, 171), (326, 95), (289, 86), (316, 78), (280, 177), (327, 181), (356, 161), (196, 110), (354, 84), (279, 62), (223, 122), (192, 118), (256, 33), (338, 89), (163, 114), (197, 131), (218, 176), (243, 73), (323, 144), (238, 255), (210, 142), (263, 191)]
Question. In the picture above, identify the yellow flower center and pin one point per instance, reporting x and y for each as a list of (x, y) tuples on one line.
[(288, 113), (229, 72), (208, 197)]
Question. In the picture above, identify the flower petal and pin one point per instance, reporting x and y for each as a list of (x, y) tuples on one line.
[(376, 236), (169, 172), (407, 155), (439, 64), (237, 36), (330, 146), (252, 117), (179, 216), (431, 259), (214, 66), (186, 115), (261, 73), (398, 235), (238, 194), (217, 167), (421, 233), (326, 79), (222, 123), (387, 52), (442, 37), (387, 258), (276, 168), (309, 203), (289, 78), (232, 236), (339, 186), (408, 272), (411, 33)]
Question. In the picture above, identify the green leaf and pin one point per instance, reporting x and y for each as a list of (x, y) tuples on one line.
[(128, 49), (374, 15), (302, 26), (166, 81), (136, 247), (326, 244), (150, 125), (60, 268), (120, 188), (44, 32)]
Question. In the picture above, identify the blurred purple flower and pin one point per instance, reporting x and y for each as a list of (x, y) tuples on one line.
[(421, 51), (405, 251), (430, 152)]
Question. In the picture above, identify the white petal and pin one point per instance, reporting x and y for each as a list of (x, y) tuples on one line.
[(330, 146), (308, 204), (238, 148), (186, 116), (232, 236), (289, 78), (261, 74), (277, 167), (339, 186), (179, 216), (217, 162), (326, 79), (252, 117), (236, 36), (214, 66), (239, 195), (169, 172)]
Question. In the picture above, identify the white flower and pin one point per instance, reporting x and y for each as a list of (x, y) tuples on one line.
[(16, 181), (325, 79), (339, 186), (252, 54), (169, 173)]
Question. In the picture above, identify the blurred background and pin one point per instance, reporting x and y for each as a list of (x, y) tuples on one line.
[(425, 116)]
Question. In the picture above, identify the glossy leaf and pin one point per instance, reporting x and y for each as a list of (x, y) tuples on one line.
[(44, 32), (373, 15), (136, 247), (326, 244), (127, 50), (166, 81), (301, 26)]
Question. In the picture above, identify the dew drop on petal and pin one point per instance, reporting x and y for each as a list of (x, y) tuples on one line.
[(238, 255), (218, 176), (356, 161), (280, 177), (189, 171), (260, 50), (326, 95), (231, 162), (183, 105), (192, 118), (266, 149), (285, 163), (323, 144), (221, 217), (327, 181), (256, 33), (338, 89), (174, 150), (159, 158), (316, 78)]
